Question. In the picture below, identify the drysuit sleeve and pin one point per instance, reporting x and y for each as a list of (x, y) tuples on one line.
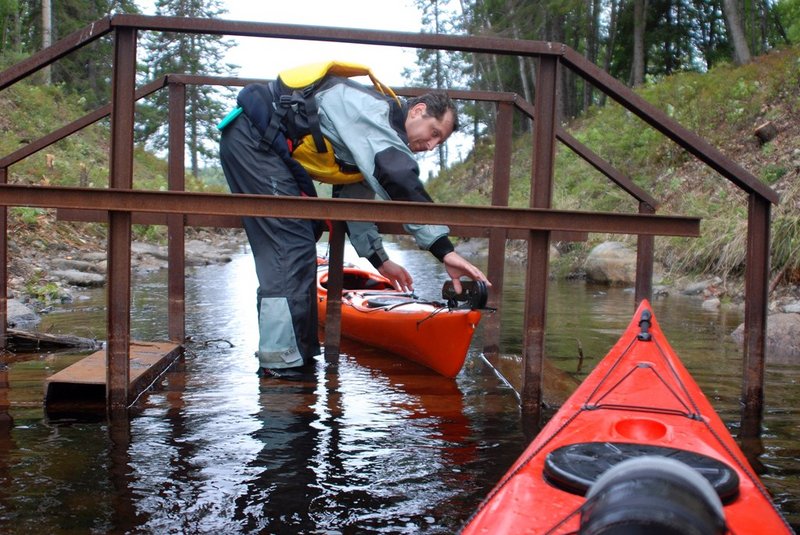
[(364, 236), (361, 131)]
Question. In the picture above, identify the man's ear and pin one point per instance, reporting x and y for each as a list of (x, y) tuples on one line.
[(418, 109)]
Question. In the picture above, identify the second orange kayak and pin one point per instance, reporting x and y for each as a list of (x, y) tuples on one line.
[(376, 314)]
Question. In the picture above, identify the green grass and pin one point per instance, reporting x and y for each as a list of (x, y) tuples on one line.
[(80, 160), (723, 106)]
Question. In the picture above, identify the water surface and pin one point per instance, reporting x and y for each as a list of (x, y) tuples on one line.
[(371, 444)]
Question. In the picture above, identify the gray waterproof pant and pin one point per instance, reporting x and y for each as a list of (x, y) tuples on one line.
[(284, 251)]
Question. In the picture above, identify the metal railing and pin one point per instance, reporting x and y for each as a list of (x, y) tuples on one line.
[(120, 205)]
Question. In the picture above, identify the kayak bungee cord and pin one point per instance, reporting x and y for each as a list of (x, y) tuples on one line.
[(583, 408), (675, 388), (598, 405)]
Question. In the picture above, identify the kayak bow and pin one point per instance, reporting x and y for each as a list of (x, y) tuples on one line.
[(375, 314), (637, 411)]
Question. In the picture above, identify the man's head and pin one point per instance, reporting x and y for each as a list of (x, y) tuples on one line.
[(431, 119)]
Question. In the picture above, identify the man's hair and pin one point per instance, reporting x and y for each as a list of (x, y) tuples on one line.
[(436, 105)]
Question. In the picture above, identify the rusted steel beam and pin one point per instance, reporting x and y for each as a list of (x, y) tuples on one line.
[(60, 48), (333, 306), (118, 287), (346, 210), (544, 150), (493, 45), (662, 122), (222, 221), (199, 79), (176, 276), (459, 94), (644, 261), (497, 237), (3, 266), (521, 104), (76, 125), (755, 311), (606, 168)]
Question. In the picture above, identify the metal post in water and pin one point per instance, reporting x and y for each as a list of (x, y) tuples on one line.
[(644, 261), (333, 310), (119, 222), (545, 123), (755, 314), (3, 266), (175, 222), (497, 236)]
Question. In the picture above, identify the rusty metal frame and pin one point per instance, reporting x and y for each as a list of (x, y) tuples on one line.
[(119, 221), (123, 205), (219, 204)]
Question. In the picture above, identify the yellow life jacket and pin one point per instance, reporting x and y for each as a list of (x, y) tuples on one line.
[(310, 148)]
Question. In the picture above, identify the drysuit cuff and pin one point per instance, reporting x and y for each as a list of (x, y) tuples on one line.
[(378, 258), (441, 247)]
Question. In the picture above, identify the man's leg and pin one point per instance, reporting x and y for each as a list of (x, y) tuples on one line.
[(284, 251)]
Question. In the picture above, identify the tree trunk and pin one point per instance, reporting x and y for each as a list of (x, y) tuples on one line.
[(612, 35), (592, 29), (47, 35), (523, 71), (637, 67), (733, 20)]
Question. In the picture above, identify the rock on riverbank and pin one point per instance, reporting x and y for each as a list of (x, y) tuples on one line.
[(614, 264), (37, 279)]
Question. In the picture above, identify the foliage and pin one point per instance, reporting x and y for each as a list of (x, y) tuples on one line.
[(186, 53), (26, 215), (43, 291), (679, 36), (85, 72), (723, 106), (789, 12)]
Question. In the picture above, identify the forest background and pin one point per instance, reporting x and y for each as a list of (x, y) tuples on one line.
[(722, 68)]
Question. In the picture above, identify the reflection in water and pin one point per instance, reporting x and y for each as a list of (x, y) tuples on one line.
[(6, 442), (369, 443)]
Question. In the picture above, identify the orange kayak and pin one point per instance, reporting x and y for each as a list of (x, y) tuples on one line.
[(375, 314), (637, 444)]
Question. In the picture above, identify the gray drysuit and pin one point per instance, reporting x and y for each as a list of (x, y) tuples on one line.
[(367, 130)]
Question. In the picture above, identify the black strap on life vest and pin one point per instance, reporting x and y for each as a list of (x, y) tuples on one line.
[(275, 140), (285, 105), (312, 116)]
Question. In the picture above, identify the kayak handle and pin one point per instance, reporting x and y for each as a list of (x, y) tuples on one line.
[(644, 323)]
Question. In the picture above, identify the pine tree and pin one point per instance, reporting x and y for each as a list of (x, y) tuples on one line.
[(186, 53), (86, 72)]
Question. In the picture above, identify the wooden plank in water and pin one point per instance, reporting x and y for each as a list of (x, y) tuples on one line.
[(82, 385)]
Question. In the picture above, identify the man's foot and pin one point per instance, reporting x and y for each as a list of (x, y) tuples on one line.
[(287, 374)]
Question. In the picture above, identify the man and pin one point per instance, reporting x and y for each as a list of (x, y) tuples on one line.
[(367, 130)]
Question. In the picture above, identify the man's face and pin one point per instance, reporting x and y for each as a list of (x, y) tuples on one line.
[(426, 132)]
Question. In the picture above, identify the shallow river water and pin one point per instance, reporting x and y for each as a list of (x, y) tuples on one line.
[(373, 444)]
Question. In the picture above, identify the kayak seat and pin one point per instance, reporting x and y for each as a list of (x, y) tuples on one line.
[(387, 301), (352, 281), (575, 467)]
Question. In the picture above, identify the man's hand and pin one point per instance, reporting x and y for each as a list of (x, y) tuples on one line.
[(456, 266), (397, 274)]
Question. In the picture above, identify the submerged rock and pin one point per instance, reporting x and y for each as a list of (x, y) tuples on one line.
[(21, 315)]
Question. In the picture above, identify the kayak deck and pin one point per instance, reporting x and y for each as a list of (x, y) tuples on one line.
[(639, 397), (376, 314)]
